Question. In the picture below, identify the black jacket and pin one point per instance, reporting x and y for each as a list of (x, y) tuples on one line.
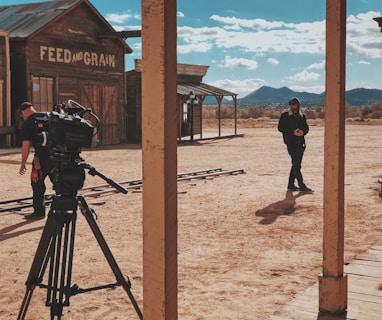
[(288, 123), (31, 130)]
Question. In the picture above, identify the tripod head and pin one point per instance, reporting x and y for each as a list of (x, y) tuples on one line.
[(68, 173), (65, 133)]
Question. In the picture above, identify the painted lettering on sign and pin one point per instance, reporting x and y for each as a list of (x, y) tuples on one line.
[(62, 55)]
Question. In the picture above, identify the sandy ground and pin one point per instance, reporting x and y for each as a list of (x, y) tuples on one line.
[(246, 246)]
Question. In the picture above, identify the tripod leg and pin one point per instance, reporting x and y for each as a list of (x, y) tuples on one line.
[(39, 264), (61, 263), (87, 212), (70, 233)]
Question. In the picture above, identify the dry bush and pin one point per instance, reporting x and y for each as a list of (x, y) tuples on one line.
[(374, 111), (209, 112)]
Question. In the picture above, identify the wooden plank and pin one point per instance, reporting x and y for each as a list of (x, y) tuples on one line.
[(370, 256), (364, 294), (360, 262), (306, 307), (366, 285), (364, 298), (293, 315), (363, 310), (370, 271)]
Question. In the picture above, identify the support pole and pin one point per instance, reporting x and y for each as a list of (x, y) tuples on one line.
[(159, 148), (333, 282)]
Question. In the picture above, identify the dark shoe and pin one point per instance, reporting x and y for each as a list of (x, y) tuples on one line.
[(293, 187), (35, 215), (305, 189)]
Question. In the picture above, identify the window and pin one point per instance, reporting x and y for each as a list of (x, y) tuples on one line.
[(42, 93), (1, 102), (185, 112)]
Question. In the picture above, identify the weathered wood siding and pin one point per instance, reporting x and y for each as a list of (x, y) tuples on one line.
[(134, 108), (6, 134), (4, 73), (84, 67)]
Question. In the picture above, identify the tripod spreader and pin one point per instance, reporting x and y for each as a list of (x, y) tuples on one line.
[(93, 172), (55, 253)]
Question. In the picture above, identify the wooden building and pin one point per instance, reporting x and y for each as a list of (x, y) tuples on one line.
[(6, 130), (191, 91), (65, 49), (379, 20)]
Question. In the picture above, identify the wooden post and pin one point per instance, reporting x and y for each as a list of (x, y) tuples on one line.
[(159, 148), (333, 282)]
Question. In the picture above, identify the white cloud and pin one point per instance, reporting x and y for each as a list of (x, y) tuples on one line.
[(119, 17), (363, 35), (304, 76), (180, 14), (237, 43), (254, 24), (237, 63), (241, 87), (259, 35), (313, 89), (194, 47), (273, 61), (318, 66)]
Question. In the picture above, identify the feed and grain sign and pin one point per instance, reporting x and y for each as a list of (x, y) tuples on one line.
[(68, 56)]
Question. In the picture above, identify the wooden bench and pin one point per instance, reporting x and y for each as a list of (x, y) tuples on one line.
[(4, 133)]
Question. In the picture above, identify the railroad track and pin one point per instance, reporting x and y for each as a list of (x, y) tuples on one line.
[(103, 189)]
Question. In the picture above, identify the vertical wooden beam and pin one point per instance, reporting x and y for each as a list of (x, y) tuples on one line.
[(333, 282), (8, 83), (235, 101), (159, 148), (219, 99)]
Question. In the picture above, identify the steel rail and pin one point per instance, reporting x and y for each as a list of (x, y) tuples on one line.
[(102, 189)]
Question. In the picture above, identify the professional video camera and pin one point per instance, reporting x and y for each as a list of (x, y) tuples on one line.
[(65, 132)]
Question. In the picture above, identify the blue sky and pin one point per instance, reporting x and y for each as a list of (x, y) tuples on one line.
[(251, 43)]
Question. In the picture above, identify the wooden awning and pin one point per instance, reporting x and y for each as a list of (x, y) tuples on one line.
[(203, 89)]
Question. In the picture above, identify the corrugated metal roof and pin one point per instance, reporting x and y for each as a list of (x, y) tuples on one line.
[(203, 89), (22, 20)]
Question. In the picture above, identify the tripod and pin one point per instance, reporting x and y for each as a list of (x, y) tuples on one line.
[(56, 245)]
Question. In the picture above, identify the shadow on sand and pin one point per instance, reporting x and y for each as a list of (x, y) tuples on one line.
[(283, 207), (11, 231)]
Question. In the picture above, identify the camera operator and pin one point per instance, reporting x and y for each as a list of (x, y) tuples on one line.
[(30, 136)]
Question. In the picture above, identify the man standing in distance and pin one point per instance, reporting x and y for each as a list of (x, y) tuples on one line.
[(294, 127)]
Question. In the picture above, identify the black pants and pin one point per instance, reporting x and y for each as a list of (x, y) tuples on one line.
[(39, 188), (296, 153)]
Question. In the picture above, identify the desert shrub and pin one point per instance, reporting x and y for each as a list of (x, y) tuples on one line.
[(209, 112), (253, 112), (226, 112), (353, 112), (373, 111)]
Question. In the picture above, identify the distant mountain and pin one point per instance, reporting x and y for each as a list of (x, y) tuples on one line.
[(212, 100), (268, 95), (361, 96)]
